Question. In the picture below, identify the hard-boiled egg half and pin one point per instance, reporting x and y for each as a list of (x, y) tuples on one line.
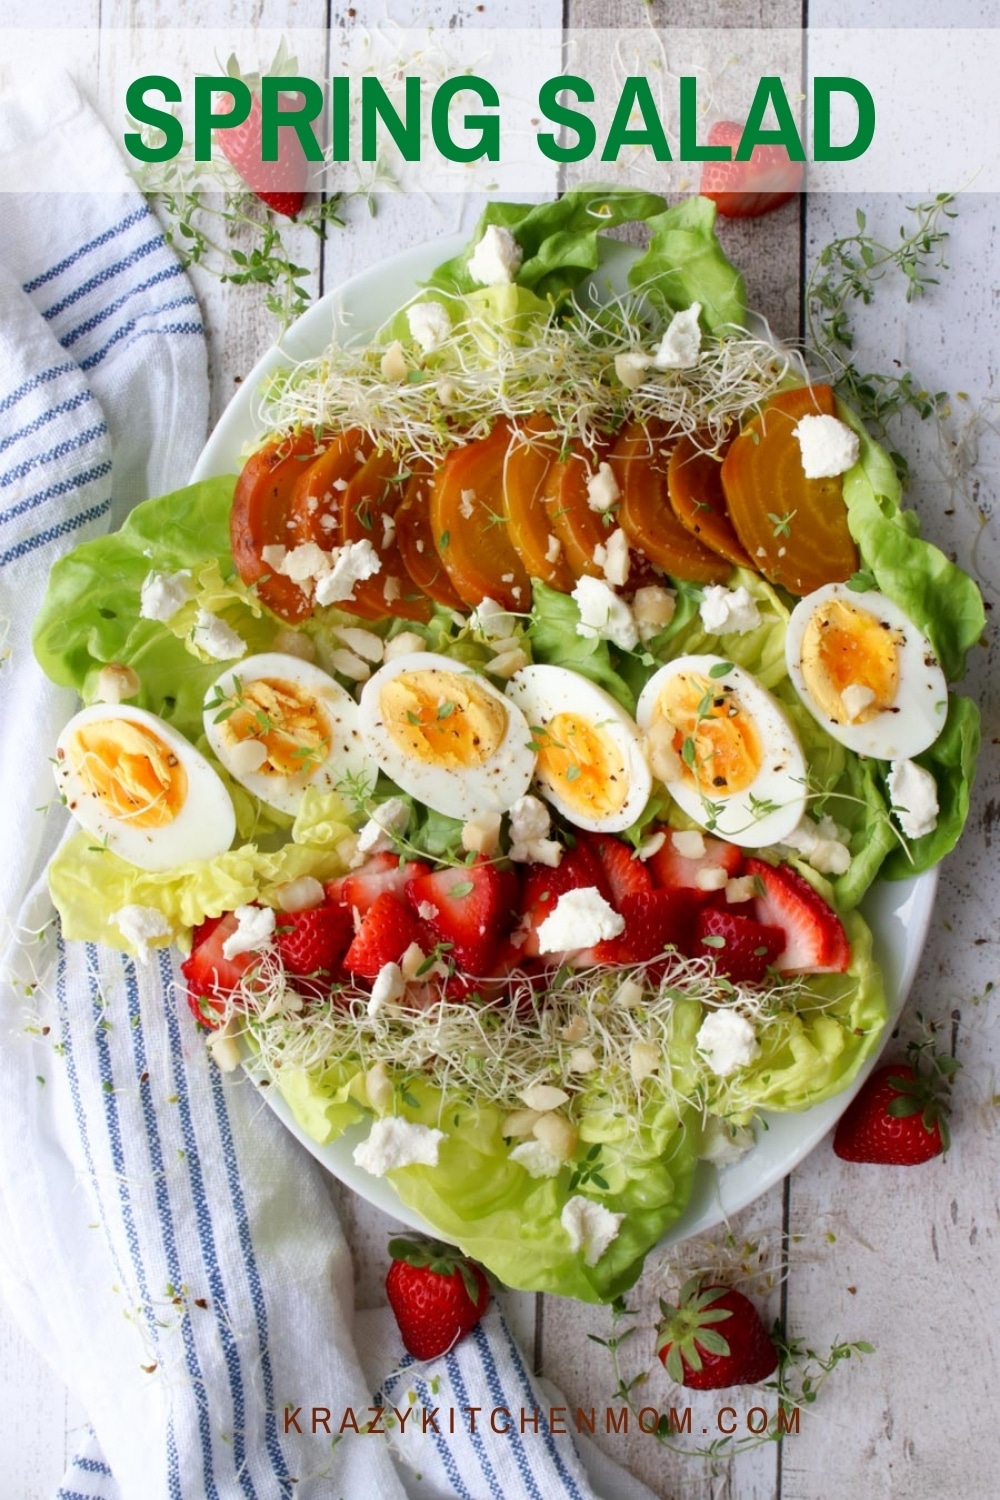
[(444, 734), (280, 725), (590, 762), (736, 765), (865, 672), (136, 784)]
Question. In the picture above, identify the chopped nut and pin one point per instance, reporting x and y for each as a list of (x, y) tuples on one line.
[(557, 1134), (299, 895), (378, 1087), (481, 835), (644, 1059), (689, 843), (520, 1123), (543, 1096), (393, 364), (116, 682)]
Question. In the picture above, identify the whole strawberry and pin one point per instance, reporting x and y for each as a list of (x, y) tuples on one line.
[(900, 1116), (436, 1294), (714, 1337), (746, 189), (279, 184)]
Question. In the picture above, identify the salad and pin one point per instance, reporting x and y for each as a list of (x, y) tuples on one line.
[(510, 744)]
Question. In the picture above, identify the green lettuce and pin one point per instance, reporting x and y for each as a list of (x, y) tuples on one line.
[(685, 263), (951, 760), (553, 637)]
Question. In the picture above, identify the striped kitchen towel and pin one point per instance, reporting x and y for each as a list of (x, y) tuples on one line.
[(165, 1243)]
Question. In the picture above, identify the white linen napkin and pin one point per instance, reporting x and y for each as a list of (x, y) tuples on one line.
[(165, 1243)]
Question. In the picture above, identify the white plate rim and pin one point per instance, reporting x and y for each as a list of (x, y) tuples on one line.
[(899, 912)]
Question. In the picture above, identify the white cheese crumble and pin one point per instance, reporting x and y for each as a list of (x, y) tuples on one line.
[(689, 843), (389, 818), (536, 1159), (723, 1143), (387, 987), (728, 611), (591, 1227), (254, 931), (138, 925), (579, 919), (553, 547), (302, 564), (217, 639), (353, 563), (604, 614), (614, 560), (529, 830), (680, 346), (497, 258), (913, 794), (602, 488), (856, 697), (653, 609), (823, 845), (727, 1041), (828, 446), (163, 594), (429, 324), (393, 1143)]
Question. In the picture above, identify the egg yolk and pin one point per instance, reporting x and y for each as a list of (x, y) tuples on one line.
[(284, 719), (133, 773), (715, 737), (850, 661), (443, 718), (582, 765)]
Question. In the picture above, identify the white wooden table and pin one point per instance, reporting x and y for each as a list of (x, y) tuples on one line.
[(905, 1259)]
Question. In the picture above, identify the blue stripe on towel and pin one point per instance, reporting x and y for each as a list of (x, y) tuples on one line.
[(168, 273), (130, 220), (32, 385), (454, 1369), (64, 528), (61, 450), (130, 328), (72, 403), (103, 276)]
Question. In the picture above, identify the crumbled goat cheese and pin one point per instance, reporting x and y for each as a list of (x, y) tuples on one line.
[(591, 1227), (217, 639), (393, 1142), (856, 697), (689, 843), (652, 609), (828, 446), (427, 911), (254, 931), (604, 614), (616, 560), (387, 987), (529, 819), (823, 845), (727, 1041), (497, 258), (536, 1159), (723, 1143), (631, 368), (913, 794), (163, 594), (304, 564), (429, 324), (353, 563), (680, 346), (139, 924), (602, 488), (728, 611), (389, 818), (579, 919)]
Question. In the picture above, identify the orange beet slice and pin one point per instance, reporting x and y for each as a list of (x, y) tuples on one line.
[(368, 512), (416, 541), (532, 453), (794, 528), (639, 461), (694, 489), (469, 524), (265, 513)]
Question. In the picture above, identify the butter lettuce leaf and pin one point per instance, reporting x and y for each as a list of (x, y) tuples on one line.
[(951, 760), (553, 639), (685, 263)]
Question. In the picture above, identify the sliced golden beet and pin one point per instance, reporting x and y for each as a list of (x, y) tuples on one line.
[(639, 463), (579, 528), (794, 528), (694, 489), (416, 541), (319, 493), (368, 513), (469, 525), (533, 451), (265, 513)]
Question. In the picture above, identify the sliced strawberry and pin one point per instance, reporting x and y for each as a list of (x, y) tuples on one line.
[(654, 921), (211, 977), (815, 940), (543, 885), (280, 184), (312, 943), (625, 874), (362, 887), (742, 948), (679, 872), (469, 906), (746, 189), (387, 930)]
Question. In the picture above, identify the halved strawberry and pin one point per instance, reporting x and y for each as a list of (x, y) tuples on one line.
[(815, 940), (654, 920), (312, 943), (469, 906), (742, 948), (625, 874), (543, 885), (675, 871), (387, 930), (211, 977), (360, 888), (745, 189)]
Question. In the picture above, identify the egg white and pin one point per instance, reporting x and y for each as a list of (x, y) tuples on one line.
[(779, 785), (542, 692), (348, 759), (203, 826), (462, 791), (916, 717)]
